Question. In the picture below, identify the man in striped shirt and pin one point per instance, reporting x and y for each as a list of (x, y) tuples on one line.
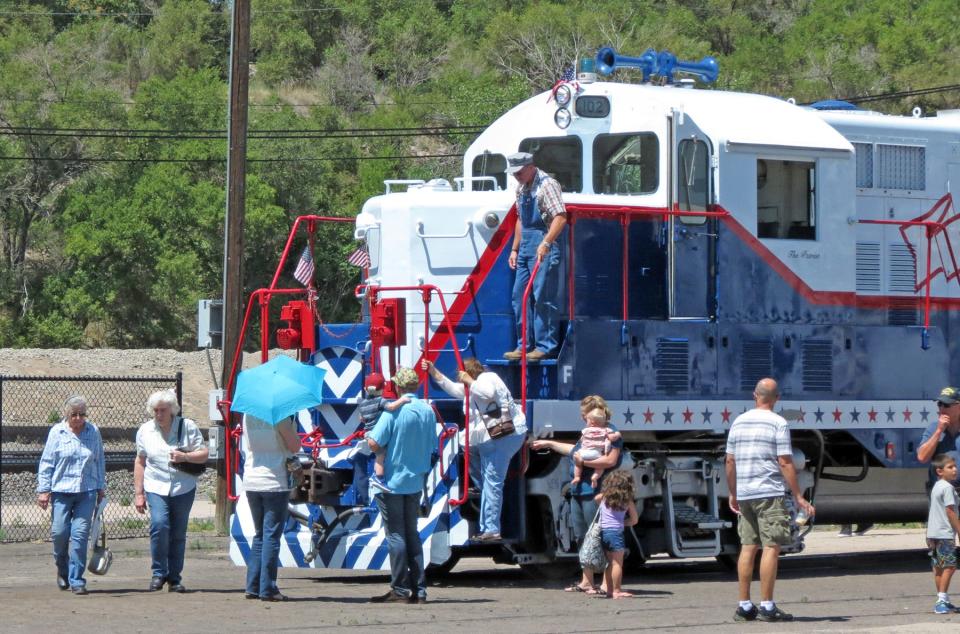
[(759, 471)]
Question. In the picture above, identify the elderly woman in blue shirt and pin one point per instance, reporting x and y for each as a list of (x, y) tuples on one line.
[(72, 476)]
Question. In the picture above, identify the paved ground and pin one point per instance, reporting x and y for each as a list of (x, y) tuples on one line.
[(879, 582)]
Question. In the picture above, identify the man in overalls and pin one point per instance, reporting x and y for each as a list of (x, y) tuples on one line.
[(542, 218)]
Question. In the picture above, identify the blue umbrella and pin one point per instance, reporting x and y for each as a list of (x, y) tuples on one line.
[(278, 388)]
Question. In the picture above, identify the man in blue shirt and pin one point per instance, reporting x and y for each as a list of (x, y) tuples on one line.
[(408, 437), (943, 435)]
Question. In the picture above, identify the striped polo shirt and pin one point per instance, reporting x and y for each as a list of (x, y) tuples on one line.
[(756, 439)]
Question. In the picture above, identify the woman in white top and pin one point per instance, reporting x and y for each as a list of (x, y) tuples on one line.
[(267, 484), (487, 389), (163, 441)]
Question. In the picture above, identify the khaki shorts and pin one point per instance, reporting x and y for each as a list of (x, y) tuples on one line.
[(764, 521)]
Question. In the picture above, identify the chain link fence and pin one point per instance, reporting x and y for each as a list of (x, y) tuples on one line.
[(30, 405)]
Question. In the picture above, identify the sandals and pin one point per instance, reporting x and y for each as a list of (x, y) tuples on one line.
[(576, 587)]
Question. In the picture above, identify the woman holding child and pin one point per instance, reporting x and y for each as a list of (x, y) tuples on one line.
[(487, 390), (583, 491)]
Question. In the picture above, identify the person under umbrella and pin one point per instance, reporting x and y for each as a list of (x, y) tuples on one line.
[(270, 395)]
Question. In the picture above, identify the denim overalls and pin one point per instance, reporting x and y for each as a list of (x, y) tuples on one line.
[(543, 316)]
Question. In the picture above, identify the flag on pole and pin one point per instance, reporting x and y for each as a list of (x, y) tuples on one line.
[(305, 268), (360, 257)]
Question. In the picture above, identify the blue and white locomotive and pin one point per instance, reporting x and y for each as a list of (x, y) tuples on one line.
[(714, 238)]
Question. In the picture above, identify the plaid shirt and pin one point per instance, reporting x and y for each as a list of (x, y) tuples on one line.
[(548, 194), (72, 463), (756, 439)]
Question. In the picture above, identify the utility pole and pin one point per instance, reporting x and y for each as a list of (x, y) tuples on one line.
[(233, 234)]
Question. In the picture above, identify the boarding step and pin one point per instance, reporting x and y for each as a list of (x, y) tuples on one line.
[(687, 516)]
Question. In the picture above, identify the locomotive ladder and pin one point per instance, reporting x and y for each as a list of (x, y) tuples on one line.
[(692, 533)]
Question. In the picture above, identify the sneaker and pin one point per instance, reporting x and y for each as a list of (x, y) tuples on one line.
[(845, 531), (488, 537), (378, 482), (536, 355), (745, 615), (513, 355), (863, 528), (776, 614)]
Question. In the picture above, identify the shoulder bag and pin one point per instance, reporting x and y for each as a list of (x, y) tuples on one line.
[(591, 550), (100, 557), (496, 425), (193, 468)]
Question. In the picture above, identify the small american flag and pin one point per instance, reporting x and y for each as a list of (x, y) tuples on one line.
[(569, 76), (305, 268), (360, 257)]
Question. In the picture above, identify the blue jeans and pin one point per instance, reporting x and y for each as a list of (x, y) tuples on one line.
[(169, 515), (269, 511), (362, 461), (495, 456), (543, 319), (399, 513), (72, 514), (582, 511)]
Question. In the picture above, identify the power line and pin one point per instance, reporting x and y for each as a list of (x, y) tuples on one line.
[(301, 159), (216, 133), (399, 104), (141, 14)]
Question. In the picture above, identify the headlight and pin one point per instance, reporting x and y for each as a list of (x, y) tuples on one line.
[(562, 118), (564, 95)]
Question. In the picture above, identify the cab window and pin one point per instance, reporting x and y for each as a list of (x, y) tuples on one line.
[(786, 199), (488, 164), (626, 164), (693, 193), (561, 157)]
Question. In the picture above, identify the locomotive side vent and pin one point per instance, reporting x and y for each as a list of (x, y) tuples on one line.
[(868, 267), (902, 269), (817, 365), (672, 364), (756, 362)]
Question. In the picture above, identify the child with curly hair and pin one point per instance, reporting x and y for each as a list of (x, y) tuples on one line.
[(617, 510)]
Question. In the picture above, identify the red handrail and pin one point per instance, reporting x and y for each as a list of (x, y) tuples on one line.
[(523, 336), (233, 431), (426, 290), (932, 228), (623, 213)]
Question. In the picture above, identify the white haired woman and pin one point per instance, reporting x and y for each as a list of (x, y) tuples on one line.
[(72, 475), (164, 442)]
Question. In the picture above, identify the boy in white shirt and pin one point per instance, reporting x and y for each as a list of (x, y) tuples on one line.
[(942, 528)]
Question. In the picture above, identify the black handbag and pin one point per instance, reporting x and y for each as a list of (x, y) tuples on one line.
[(193, 468)]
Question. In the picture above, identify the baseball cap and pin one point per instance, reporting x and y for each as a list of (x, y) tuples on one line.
[(374, 380), (516, 162), (949, 396)]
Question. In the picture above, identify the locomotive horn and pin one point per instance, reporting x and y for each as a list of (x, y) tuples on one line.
[(664, 64), (706, 70), (608, 61)]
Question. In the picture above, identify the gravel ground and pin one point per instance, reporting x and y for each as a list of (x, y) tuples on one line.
[(886, 587)]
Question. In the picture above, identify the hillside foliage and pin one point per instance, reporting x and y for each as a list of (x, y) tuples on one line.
[(113, 120)]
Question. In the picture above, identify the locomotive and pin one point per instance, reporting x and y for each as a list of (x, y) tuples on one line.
[(714, 238)]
